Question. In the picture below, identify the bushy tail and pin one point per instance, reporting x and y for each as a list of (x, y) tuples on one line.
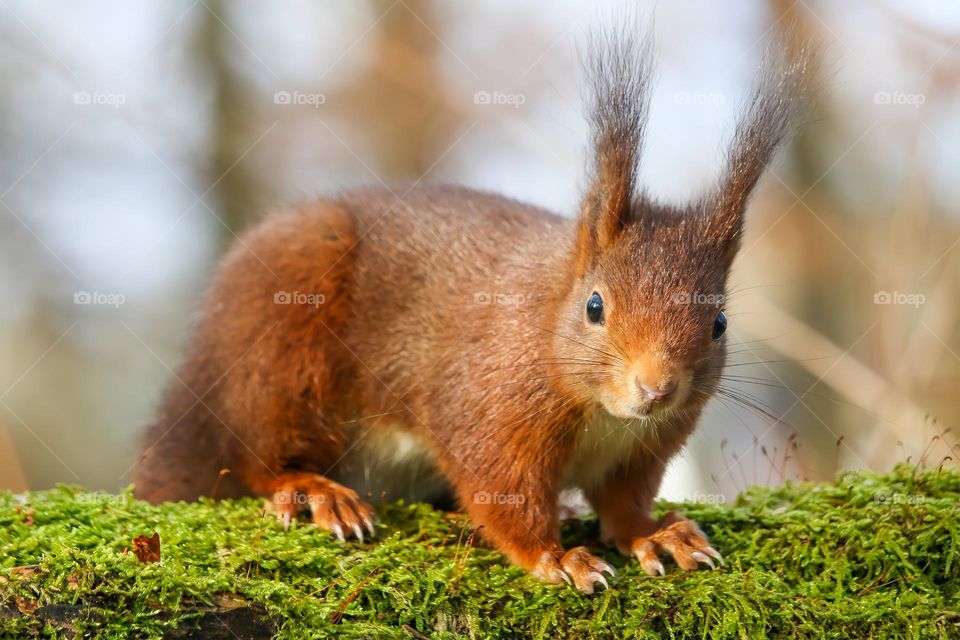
[(182, 452)]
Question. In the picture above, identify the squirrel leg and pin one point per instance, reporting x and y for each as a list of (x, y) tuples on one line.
[(521, 521), (623, 502)]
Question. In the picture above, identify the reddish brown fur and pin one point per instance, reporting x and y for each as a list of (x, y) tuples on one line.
[(508, 399)]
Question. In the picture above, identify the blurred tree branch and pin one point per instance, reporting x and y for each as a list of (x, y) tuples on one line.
[(12, 477), (401, 102), (239, 191)]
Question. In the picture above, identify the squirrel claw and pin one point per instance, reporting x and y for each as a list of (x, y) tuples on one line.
[(713, 553), (603, 566), (653, 567), (589, 583), (699, 556)]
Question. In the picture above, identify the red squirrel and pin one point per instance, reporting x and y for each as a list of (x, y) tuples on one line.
[(403, 344)]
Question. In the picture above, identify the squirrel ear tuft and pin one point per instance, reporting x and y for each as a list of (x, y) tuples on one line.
[(619, 69), (770, 118)]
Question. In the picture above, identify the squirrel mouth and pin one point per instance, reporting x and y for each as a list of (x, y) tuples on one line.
[(643, 410), (648, 409), (636, 408)]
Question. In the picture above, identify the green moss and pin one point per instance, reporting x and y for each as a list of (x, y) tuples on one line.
[(867, 556)]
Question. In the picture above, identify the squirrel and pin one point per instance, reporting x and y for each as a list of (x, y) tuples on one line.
[(406, 344)]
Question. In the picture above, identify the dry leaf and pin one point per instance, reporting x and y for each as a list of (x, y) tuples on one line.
[(26, 607), (147, 549), (27, 515), (26, 572)]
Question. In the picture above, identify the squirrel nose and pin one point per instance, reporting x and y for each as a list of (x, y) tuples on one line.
[(653, 393)]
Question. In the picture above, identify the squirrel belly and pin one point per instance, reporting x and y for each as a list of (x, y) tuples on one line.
[(392, 463)]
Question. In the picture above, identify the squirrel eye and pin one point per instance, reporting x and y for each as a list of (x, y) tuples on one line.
[(595, 308), (719, 325)]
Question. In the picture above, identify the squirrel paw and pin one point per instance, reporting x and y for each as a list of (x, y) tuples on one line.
[(576, 567), (333, 506), (680, 538)]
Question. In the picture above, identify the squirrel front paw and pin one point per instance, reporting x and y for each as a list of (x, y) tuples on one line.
[(332, 506), (678, 537), (577, 567)]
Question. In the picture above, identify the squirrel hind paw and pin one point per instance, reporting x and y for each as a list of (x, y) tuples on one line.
[(332, 506)]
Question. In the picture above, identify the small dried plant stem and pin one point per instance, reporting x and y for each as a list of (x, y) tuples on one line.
[(898, 414)]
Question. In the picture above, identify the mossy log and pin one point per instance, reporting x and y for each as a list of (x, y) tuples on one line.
[(868, 556)]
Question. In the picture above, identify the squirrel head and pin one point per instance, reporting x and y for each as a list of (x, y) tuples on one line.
[(642, 329)]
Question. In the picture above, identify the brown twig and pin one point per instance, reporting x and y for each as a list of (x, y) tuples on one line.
[(337, 616)]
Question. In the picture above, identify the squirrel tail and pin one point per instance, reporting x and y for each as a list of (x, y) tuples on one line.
[(182, 453)]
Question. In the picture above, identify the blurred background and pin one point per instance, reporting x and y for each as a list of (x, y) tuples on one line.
[(139, 138)]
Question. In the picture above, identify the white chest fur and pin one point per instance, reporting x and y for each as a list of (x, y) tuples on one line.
[(604, 443), (391, 461)]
